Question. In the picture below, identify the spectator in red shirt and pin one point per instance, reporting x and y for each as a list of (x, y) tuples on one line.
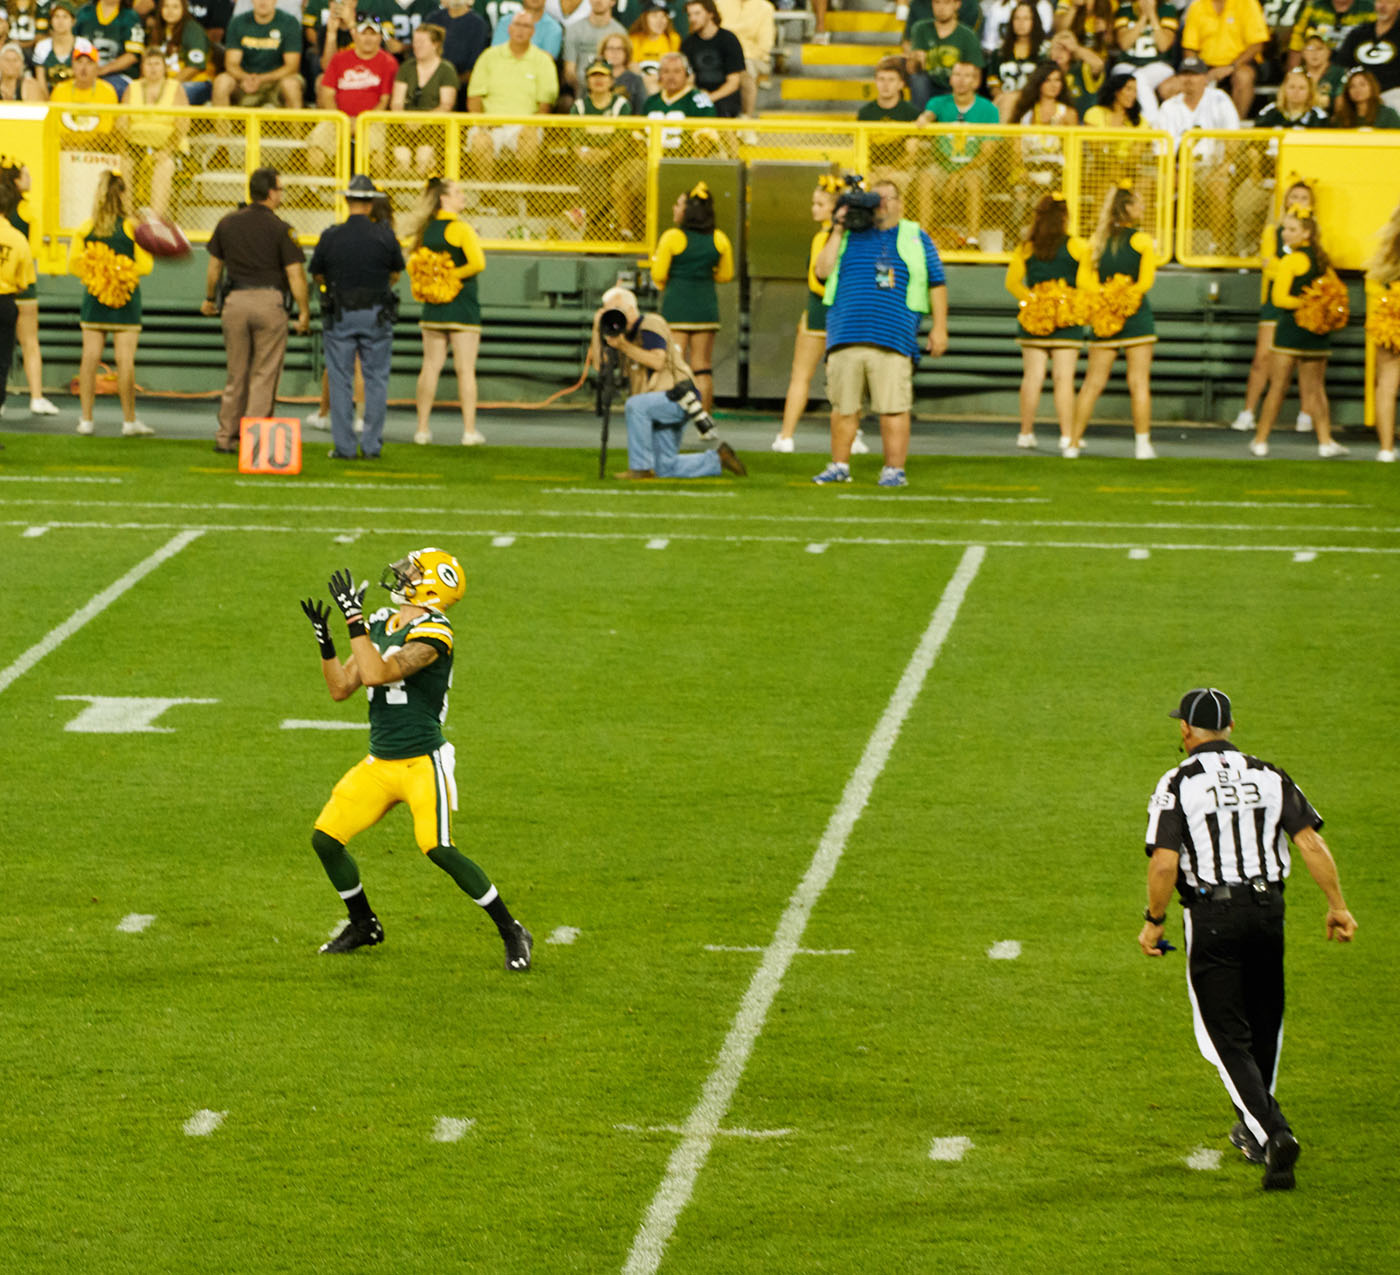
[(357, 78)]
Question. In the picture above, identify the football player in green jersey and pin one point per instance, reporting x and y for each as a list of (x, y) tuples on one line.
[(403, 659)]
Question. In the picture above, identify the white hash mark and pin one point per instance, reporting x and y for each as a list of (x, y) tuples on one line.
[(1305, 555), (950, 1150), (816, 548), (565, 935), (658, 542), (33, 533), (1005, 950), (135, 922), (1204, 1159), (203, 1123), (502, 542), (1139, 554), (451, 1129)]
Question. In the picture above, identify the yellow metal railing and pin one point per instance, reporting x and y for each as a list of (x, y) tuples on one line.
[(195, 162)]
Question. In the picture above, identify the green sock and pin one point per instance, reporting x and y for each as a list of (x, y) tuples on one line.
[(472, 880), (344, 875)]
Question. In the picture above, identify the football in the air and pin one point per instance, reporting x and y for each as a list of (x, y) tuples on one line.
[(162, 238)]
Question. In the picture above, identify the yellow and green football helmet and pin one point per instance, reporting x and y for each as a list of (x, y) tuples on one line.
[(426, 578)]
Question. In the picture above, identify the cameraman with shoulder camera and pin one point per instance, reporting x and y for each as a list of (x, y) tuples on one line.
[(658, 405), (882, 275)]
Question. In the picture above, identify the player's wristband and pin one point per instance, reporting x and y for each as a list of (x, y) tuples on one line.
[(1153, 920), (356, 627)]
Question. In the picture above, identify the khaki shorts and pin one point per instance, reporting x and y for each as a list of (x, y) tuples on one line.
[(888, 374), (268, 95)]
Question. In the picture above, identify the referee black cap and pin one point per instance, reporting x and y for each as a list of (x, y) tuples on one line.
[(1205, 708)]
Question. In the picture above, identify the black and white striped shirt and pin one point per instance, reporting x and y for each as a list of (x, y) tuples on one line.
[(1229, 816)]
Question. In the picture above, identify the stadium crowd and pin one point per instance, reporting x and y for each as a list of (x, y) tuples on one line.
[(1224, 63)]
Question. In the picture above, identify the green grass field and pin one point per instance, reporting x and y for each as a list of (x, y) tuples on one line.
[(662, 695)]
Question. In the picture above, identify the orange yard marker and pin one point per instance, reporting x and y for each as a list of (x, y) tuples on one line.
[(269, 445)]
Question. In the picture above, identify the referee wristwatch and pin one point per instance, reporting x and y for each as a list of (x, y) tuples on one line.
[(1153, 920)]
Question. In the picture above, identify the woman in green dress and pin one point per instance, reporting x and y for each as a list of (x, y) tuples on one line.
[(443, 266), (1304, 263), (1117, 274), (105, 255), (14, 186), (690, 259)]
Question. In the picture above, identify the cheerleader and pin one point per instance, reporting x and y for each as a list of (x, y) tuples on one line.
[(106, 257), (1383, 327), (1117, 273), (810, 348), (690, 259), (1041, 276), (1296, 343), (442, 269), (1299, 194), (14, 185)]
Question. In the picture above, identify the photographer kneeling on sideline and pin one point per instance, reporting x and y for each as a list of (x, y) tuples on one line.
[(882, 275), (662, 395)]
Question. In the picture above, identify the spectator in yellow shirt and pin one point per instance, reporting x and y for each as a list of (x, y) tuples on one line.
[(86, 88), (753, 22), (1228, 36), (515, 78)]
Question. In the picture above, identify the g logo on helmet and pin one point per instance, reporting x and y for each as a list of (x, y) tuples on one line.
[(448, 575)]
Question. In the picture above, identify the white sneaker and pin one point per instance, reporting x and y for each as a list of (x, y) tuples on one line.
[(1386, 455), (1143, 449), (1244, 422), (1026, 441), (859, 447), (1064, 443), (1070, 453), (136, 429), (359, 426), (316, 421), (1304, 425), (1258, 449), (85, 427), (470, 438), (423, 437), (781, 444), (1328, 450), (42, 407)]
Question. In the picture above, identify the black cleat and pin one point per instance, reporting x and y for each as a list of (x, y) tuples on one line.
[(356, 934), (518, 945), (1280, 1155), (1241, 1137)]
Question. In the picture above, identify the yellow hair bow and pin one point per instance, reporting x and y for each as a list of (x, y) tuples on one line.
[(1058, 196), (1126, 184), (699, 191), (1299, 211), (829, 183), (9, 161)]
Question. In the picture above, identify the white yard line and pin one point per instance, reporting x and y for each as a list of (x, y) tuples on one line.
[(701, 1127), (419, 531), (637, 491), (56, 637)]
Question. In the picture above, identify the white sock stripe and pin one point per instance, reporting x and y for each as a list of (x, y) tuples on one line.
[(350, 894), (688, 1159), (488, 897)]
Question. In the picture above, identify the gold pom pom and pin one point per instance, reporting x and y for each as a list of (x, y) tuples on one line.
[(1113, 305), (1052, 304), (1324, 306), (110, 277), (432, 277), (1383, 318)]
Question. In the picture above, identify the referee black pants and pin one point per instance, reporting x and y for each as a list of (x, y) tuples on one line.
[(1234, 972)]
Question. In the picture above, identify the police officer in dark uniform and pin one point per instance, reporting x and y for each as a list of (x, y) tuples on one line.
[(357, 264), (1218, 829), (254, 261)]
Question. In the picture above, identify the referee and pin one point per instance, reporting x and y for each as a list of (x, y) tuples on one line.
[(1218, 828)]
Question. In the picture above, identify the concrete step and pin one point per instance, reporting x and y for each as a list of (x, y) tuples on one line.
[(808, 88), (843, 22), (865, 56)]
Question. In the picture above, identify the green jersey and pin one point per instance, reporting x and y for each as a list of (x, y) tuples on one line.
[(263, 44), (405, 718)]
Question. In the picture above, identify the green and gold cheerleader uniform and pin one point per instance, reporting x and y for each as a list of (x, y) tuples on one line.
[(1268, 253), (446, 234), (1133, 255), (1025, 271), (814, 321), (122, 241), (687, 265), (1295, 270), (17, 220)]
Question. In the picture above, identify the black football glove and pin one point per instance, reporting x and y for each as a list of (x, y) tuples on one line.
[(320, 616), (347, 597)]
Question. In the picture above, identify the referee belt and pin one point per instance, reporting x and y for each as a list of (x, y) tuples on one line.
[(1257, 890)]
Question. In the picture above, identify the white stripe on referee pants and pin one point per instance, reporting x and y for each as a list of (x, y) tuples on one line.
[(1208, 1050)]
